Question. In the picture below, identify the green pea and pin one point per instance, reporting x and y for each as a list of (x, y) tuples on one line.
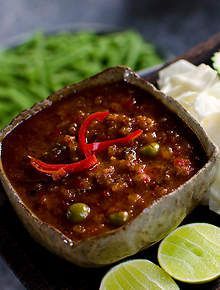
[(150, 150), (118, 218), (78, 212)]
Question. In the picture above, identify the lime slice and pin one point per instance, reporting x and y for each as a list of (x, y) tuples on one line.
[(138, 275), (191, 253)]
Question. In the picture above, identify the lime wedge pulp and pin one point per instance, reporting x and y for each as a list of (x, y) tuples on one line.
[(138, 275), (191, 253)]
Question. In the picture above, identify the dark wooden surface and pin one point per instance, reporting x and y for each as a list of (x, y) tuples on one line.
[(38, 269)]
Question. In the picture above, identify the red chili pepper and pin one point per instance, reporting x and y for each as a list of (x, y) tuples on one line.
[(100, 116), (90, 148), (99, 146), (56, 171)]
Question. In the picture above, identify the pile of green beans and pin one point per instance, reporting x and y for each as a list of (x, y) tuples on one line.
[(35, 69)]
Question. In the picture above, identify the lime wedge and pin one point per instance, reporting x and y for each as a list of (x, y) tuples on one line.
[(138, 275), (191, 253)]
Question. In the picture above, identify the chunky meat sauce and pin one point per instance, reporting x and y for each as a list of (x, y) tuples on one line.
[(127, 178)]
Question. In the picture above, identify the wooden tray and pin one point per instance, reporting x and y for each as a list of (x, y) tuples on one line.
[(38, 269)]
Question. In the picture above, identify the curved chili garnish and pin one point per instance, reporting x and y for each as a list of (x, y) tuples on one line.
[(89, 148), (56, 171), (100, 116), (99, 146)]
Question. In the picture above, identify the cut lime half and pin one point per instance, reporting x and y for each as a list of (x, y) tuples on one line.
[(137, 275), (191, 253)]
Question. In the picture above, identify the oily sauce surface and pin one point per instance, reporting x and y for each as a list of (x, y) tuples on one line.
[(124, 180)]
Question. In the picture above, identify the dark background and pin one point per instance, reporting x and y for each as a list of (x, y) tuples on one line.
[(174, 26)]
